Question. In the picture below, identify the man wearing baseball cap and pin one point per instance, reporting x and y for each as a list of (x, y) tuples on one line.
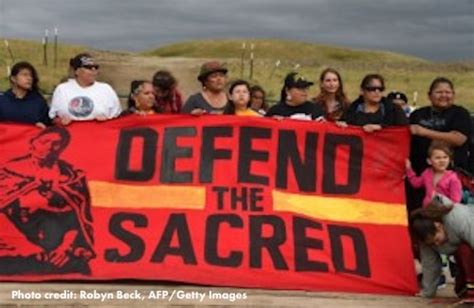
[(212, 98), (83, 98)]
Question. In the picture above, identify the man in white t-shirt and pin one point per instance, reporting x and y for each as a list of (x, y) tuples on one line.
[(83, 98)]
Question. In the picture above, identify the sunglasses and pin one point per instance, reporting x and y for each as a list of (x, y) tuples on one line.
[(89, 67), (373, 89)]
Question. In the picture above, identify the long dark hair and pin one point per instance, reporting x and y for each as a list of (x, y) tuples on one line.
[(230, 107), (323, 95), (422, 220), (34, 74), (166, 82)]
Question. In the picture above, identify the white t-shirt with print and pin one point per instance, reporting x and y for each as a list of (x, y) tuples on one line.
[(82, 104)]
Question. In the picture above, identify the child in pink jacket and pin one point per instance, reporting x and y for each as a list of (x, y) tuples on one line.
[(437, 178)]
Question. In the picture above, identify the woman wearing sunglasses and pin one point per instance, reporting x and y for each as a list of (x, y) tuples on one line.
[(82, 98), (372, 110)]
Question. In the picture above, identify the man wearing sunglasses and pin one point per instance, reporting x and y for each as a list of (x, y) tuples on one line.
[(82, 98), (372, 110)]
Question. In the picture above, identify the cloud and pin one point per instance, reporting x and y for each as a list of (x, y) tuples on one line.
[(432, 29)]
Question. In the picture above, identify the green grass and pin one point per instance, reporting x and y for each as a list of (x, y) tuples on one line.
[(405, 73)]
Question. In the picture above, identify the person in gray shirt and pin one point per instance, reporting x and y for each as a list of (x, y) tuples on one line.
[(212, 98), (441, 227)]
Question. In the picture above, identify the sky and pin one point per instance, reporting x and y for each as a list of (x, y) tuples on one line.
[(439, 30)]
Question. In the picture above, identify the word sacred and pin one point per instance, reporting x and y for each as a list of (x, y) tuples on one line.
[(177, 226)]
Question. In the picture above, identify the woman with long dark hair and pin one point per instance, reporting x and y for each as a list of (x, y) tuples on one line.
[(23, 102), (168, 98)]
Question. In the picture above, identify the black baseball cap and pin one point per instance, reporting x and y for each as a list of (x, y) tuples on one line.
[(295, 80), (397, 95)]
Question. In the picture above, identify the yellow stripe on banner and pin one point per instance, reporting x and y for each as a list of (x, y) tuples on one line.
[(341, 209), (106, 194)]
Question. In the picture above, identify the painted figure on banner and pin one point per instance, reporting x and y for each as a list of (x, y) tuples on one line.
[(45, 211)]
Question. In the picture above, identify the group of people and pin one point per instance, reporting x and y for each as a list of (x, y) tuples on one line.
[(440, 132)]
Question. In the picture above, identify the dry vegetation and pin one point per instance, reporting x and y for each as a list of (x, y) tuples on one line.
[(406, 73)]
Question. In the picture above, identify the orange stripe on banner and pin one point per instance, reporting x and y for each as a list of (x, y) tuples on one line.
[(341, 209), (106, 194)]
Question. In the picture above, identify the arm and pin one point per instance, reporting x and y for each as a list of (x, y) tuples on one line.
[(115, 108), (453, 138), (431, 269), (415, 181), (56, 101), (44, 118), (455, 189)]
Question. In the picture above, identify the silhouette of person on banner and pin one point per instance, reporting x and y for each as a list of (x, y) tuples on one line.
[(44, 211)]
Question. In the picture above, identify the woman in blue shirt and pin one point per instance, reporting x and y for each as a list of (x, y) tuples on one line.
[(23, 103)]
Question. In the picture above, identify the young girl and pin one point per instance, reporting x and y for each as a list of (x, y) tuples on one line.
[(239, 100), (257, 99), (443, 227), (141, 99), (437, 178)]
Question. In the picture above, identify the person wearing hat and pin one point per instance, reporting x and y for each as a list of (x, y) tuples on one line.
[(293, 101), (401, 100), (82, 98), (372, 110), (212, 98)]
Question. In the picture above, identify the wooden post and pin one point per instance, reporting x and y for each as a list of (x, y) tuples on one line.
[(45, 48), (251, 61), (9, 51), (242, 61), (55, 47)]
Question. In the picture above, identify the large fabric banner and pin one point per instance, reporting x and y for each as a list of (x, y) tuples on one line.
[(215, 200)]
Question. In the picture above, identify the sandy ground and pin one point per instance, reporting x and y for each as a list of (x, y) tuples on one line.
[(113, 294)]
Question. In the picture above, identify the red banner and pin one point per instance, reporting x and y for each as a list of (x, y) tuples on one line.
[(216, 200)]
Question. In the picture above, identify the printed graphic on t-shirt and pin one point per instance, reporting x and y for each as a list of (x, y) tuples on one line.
[(81, 106), (434, 123)]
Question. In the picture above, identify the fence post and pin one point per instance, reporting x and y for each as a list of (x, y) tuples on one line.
[(242, 61), (55, 47), (45, 48)]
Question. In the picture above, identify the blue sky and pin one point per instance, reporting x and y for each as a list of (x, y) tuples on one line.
[(432, 29)]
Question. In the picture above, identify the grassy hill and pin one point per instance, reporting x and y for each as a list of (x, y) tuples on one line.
[(406, 73), (402, 72), (303, 53)]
